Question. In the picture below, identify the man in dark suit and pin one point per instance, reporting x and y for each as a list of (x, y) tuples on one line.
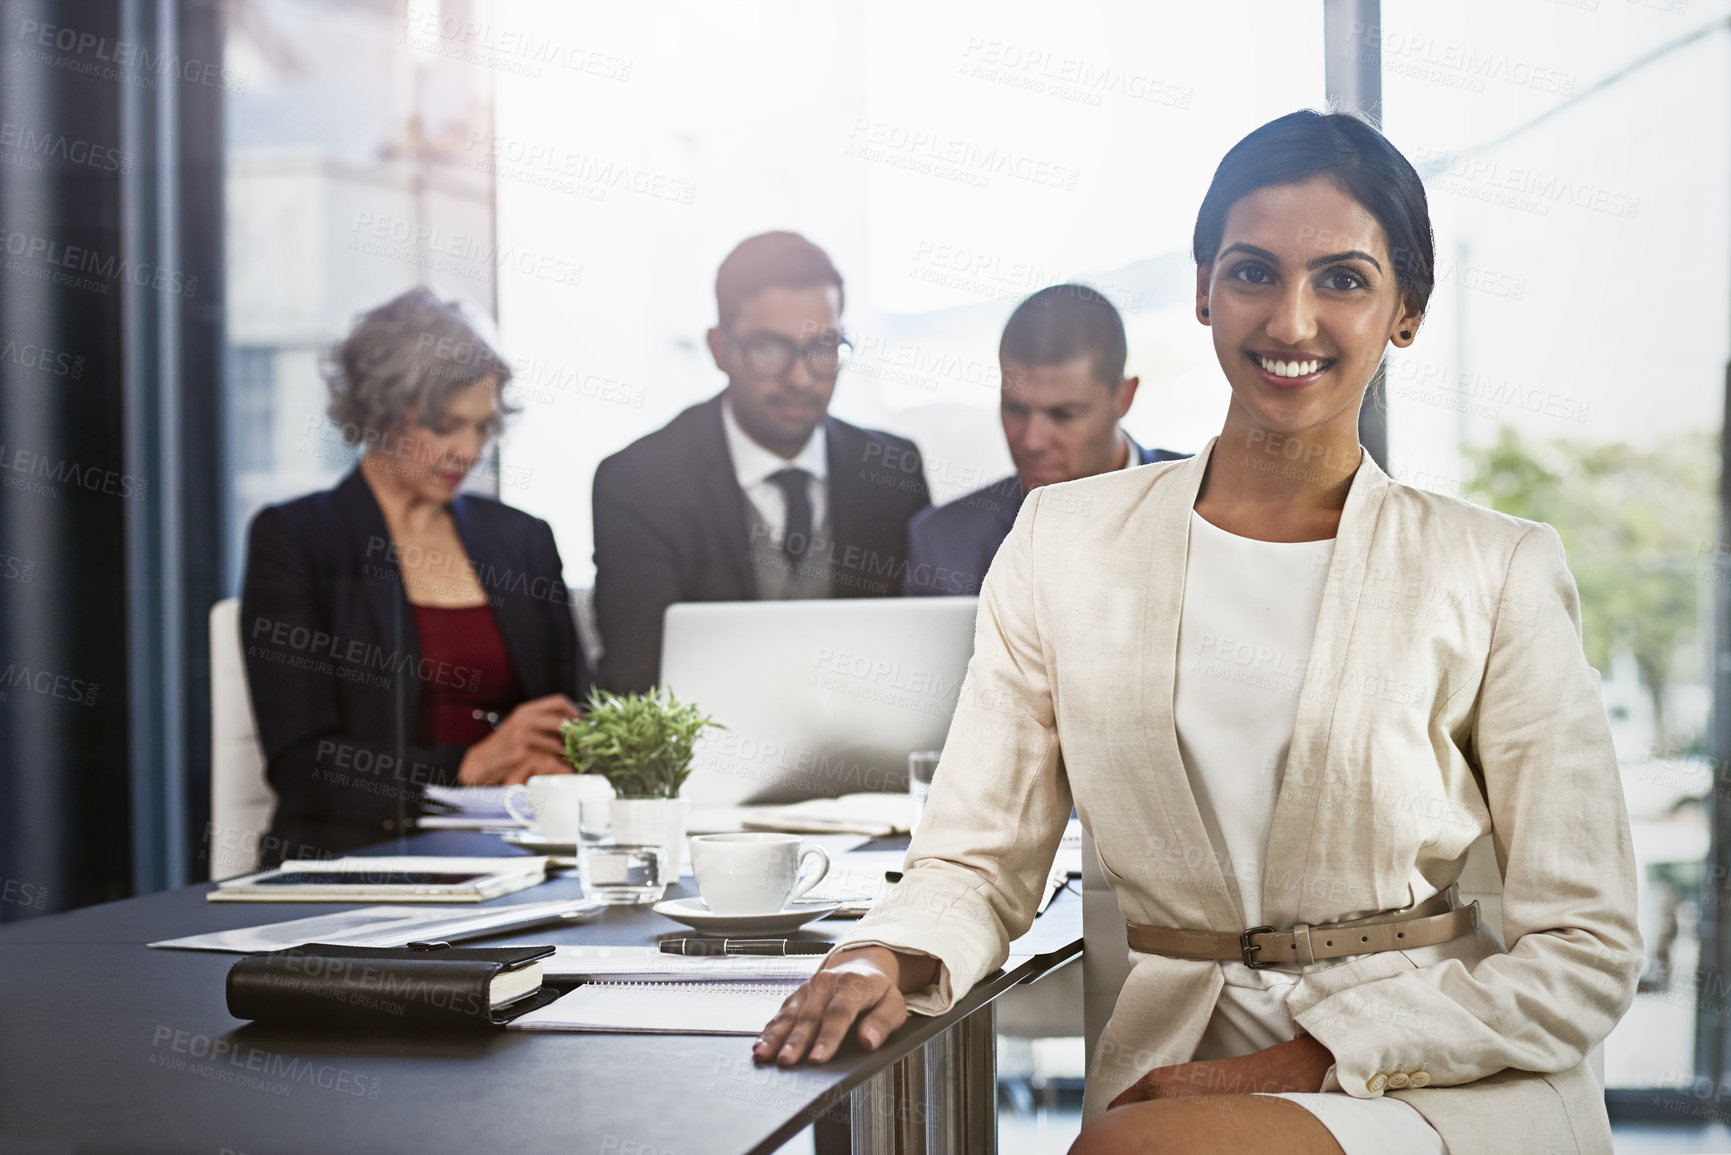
[(756, 493), (1063, 394)]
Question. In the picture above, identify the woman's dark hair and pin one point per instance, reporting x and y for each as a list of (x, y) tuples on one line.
[(412, 352), (1306, 144)]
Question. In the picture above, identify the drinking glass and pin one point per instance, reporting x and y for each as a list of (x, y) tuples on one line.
[(922, 766), (623, 856)]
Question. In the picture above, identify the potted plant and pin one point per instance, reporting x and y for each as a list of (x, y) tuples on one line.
[(642, 744)]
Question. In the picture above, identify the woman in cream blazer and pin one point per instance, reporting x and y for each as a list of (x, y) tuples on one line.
[(1445, 696)]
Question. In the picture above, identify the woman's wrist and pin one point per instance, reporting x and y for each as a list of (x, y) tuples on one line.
[(909, 972), (473, 770)]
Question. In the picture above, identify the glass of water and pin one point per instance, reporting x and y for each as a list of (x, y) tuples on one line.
[(623, 855), (922, 766)]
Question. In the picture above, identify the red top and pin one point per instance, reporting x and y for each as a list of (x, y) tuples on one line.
[(465, 675)]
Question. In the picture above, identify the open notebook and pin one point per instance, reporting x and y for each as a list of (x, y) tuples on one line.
[(739, 1004), (663, 1008)]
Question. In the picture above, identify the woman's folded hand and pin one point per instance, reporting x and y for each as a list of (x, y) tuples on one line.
[(1299, 1065)]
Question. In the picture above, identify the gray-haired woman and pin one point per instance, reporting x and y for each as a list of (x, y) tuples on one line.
[(399, 634)]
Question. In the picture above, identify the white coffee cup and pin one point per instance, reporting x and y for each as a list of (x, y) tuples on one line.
[(548, 804), (754, 872)]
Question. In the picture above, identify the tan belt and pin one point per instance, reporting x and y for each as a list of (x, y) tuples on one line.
[(1426, 924)]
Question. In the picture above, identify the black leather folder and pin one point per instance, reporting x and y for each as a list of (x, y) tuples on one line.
[(432, 985)]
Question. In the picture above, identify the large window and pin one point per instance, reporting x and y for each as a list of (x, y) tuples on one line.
[(951, 158), (578, 171), (346, 185), (1571, 370)]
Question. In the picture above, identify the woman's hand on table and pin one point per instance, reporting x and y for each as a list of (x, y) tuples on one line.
[(1299, 1065), (525, 744), (864, 985)]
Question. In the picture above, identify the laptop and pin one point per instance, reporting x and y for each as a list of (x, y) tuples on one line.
[(820, 697)]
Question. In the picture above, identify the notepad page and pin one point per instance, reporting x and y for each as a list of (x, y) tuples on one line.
[(649, 964), (662, 1008)]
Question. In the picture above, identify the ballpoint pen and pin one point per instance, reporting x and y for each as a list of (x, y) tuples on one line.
[(725, 946)]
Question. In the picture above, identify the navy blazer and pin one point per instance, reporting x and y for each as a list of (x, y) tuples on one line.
[(950, 546), (334, 662), (671, 525)]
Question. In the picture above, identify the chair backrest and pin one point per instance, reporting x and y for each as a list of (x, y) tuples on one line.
[(588, 632), (241, 800), (1106, 958)]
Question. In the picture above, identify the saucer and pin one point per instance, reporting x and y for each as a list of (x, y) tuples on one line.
[(561, 854), (694, 914), (539, 843)]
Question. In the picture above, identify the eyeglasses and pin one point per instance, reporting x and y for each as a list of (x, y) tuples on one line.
[(772, 355)]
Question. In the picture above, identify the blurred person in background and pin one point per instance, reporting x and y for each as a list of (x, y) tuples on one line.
[(757, 493), (1063, 395), (395, 592)]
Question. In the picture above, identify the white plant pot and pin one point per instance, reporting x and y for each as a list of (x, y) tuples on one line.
[(640, 821)]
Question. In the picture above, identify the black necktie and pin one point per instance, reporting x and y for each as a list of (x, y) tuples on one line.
[(797, 538)]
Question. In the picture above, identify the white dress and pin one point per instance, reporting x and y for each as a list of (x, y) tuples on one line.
[(1250, 611)]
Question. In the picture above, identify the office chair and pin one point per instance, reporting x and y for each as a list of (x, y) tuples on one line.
[(241, 800), (588, 632), (1106, 958)]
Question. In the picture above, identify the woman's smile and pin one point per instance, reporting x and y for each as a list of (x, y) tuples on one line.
[(1289, 370)]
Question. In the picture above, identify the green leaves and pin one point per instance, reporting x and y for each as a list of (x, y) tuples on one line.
[(641, 743), (1638, 524)]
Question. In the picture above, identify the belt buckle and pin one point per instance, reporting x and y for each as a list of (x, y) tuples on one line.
[(1249, 949)]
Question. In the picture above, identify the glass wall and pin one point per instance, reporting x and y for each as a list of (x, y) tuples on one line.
[(579, 171), (1571, 370), (951, 159), (347, 183)]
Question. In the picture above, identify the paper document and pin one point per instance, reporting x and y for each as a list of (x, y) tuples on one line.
[(667, 1007), (381, 926), (384, 878), (466, 808), (649, 964), (877, 814), (663, 1008)]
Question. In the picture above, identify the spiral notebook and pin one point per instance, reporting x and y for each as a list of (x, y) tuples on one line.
[(663, 1008), (739, 1005)]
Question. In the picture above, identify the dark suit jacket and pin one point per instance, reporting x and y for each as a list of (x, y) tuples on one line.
[(333, 656), (671, 525), (951, 545)]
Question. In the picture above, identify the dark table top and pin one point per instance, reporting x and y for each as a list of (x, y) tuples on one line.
[(107, 1046)]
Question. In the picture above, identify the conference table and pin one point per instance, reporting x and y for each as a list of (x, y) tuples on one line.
[(107, 1046)]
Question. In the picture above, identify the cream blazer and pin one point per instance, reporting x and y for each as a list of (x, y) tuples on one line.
[(1446, 697)]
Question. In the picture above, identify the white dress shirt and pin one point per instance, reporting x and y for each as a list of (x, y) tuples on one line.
[(1249, 613), (1244, 633), (753, 465)]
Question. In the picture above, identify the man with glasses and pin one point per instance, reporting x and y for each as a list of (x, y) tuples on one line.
[(756, 493), (1063, 394)]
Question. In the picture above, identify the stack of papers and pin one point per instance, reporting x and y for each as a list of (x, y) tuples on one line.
[(386, 878), (639, 989), (878, 815), (466, 808), (649, 964), (387, 926), (736, 1008), (736, 1004)]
